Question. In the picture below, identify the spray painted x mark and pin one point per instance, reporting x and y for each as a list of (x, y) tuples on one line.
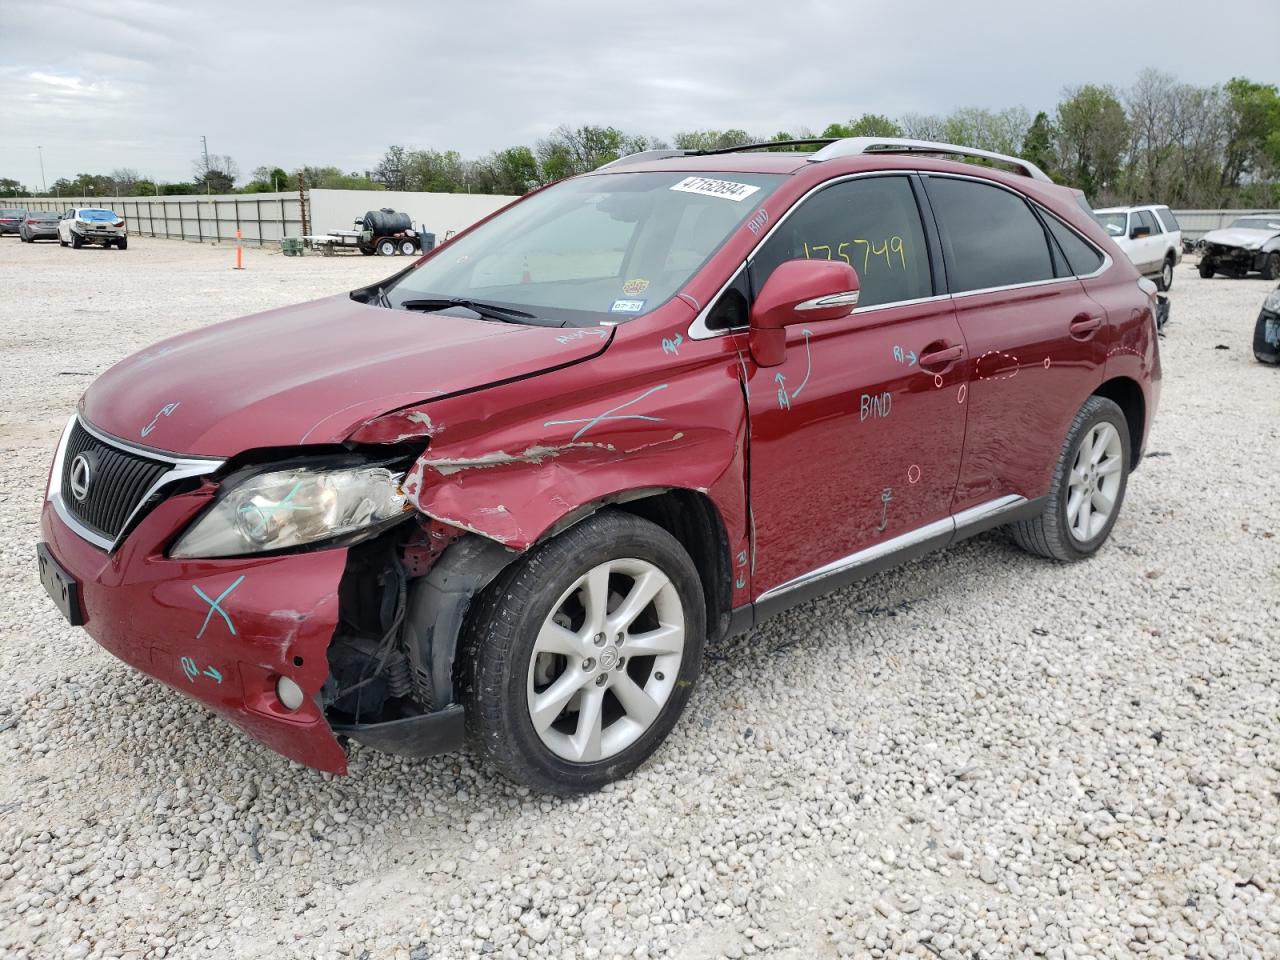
[(214, 607)]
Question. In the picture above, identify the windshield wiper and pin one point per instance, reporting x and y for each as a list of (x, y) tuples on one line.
[(490, 311)]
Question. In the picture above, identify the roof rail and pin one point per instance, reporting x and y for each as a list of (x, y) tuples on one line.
[(854, 146), (645, 155)]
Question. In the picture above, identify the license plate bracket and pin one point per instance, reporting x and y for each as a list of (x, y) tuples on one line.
[(62, 588)]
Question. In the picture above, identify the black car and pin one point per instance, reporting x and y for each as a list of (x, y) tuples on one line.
[(1266, 332), (10, 217), (38, 225)]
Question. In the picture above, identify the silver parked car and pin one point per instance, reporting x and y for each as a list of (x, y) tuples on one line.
[(82, 225), (10, 217), (39, 225)]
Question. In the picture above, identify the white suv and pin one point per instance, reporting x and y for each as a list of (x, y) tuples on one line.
[(1150, 235)]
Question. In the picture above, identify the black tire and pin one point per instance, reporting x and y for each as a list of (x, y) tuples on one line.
[(1049, 534), (1206, 269), (76, 240), (123, 243), (1271, 266), (408, 248), (386, 247), (499, 642), (1165, 280), (367, 251)]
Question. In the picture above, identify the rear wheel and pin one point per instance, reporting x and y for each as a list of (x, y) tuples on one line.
[(76, 240), (1165, 280), (1088, 487), (1271, 266), (386, 248), (123, 243), (1206, 269), (583, 654), (407, 248)]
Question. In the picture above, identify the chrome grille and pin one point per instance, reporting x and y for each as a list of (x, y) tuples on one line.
[(118, 482)]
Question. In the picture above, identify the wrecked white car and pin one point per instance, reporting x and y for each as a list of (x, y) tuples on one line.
[(1248, 245)]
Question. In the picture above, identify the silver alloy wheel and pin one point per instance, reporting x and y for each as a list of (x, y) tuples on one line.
[(1166, 274), (1094, 482), (606, 660)]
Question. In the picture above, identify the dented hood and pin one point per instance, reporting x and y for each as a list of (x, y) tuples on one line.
[(1247, 237), (312, 373)]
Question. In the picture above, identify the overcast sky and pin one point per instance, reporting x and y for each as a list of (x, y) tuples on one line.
[(102, 84)]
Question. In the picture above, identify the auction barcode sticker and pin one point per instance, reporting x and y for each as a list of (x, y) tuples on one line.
[(725, 189)]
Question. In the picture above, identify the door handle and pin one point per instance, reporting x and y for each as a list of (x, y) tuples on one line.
[(1082, 325), (938, 358)]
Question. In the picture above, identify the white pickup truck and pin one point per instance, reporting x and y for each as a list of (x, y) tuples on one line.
[(1150, 235)]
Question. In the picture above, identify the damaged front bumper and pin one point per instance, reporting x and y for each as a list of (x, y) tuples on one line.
[(227, 632)]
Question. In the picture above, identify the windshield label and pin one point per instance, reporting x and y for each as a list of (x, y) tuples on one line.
[(725, 189), (627, 306)]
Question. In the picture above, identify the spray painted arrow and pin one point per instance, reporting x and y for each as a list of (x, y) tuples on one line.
[(213, 673), (911, 358), (784, 402), (809, 359)]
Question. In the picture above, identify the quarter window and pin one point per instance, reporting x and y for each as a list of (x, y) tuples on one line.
[(1081, 257), (990, 237), (871, 223), (1170, 221)]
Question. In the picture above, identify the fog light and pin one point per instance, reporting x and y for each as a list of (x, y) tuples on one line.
[(290, 693)]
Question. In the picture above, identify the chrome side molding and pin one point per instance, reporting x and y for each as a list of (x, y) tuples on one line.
[(946, 528)]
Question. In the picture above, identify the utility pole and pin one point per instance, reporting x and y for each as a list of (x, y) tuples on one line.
[(208, 191), (43, 181)]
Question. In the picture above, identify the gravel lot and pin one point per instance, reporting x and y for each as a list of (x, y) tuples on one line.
[(980, 755)]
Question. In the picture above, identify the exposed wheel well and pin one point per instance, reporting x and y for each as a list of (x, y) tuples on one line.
[(692, 519), (1127, 395)]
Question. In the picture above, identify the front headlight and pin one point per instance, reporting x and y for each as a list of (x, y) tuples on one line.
[(1272, 303), (290, 508)]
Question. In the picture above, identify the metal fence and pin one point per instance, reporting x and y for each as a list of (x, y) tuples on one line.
[(260, 217), (1196, 223)]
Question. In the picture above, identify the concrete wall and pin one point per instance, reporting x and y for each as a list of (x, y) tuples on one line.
[(437, 213), (265, 218)]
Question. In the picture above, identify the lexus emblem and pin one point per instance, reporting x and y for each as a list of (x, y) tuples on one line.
[(81, 476)]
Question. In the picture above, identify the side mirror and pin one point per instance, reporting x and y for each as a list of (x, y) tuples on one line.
[(1137, 233), (799, 291)]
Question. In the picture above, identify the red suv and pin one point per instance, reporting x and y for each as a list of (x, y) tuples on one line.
[(505, 497)]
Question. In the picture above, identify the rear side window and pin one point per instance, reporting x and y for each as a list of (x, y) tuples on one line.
[(990, 237), (1170, 221), (872, 223), (1145, 218), (1081, 257)]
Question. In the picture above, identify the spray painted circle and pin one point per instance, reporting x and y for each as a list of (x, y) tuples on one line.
[(937, 380), (913, 473), (1046, 363), (964, 390)]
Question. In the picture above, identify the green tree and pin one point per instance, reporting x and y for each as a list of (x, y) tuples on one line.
[(1038, 144), (11, 188), (1093, 135), (511, 172), (1253, 130), (867, 125), (567, 150), (711, 139), (216, 173)]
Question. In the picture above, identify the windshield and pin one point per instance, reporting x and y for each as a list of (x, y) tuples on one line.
[(1113, 223), (1257, 223), (42, 215), (98, 216), (598, 248)]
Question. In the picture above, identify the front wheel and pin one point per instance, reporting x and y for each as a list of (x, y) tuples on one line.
[(1165, 280), (581, 656), (76, 241), (1088, 487), (1206, 269), (407, 248)]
